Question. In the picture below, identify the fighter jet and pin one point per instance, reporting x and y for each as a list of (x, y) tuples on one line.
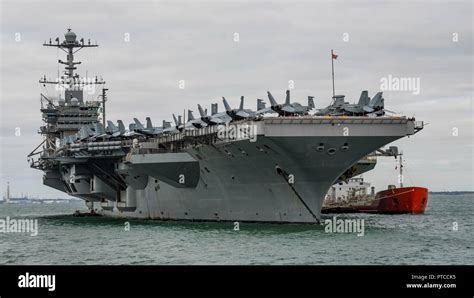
[(178, 124), (99, 131), (365, 106), (193, 122), (149, 129), (377, 105), (334, 108), (132, 130), (90, 132), (260, 105), (238, 114), (214, 119), (166, 124), (288, 108), (168, 128), (121, 127), (113, 130), (84, 133)]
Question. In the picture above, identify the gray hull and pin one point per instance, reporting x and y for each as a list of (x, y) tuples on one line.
[(249, 181)]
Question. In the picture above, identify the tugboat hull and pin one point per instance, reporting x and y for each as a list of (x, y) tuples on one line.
[(402, 200), (412, 200)]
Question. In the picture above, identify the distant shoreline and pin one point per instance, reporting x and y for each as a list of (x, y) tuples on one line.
[(453, 193)]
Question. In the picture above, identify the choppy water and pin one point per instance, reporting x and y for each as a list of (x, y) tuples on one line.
[(388, 239)]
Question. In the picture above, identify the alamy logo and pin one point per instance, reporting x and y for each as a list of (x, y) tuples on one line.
[(235, 132), (336, 225), (392, 83), (12, 225), (28, 280)]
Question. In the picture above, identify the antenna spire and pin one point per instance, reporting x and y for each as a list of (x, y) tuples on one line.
[(333, 57), (71, 81)]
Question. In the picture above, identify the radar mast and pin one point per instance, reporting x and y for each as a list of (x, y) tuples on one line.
[(64, 117)]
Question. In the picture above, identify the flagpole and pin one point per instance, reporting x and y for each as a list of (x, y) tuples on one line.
[(332, 64)]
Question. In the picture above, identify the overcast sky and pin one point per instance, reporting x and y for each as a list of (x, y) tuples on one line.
[(279, 41)]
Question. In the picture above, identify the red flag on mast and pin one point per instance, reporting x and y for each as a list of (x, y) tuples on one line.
[(334, 56)]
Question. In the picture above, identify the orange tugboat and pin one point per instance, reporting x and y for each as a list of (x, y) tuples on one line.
[(352, 197), (398, 200)]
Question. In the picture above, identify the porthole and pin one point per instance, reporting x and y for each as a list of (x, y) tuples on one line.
[(331, 151), (320, 147)]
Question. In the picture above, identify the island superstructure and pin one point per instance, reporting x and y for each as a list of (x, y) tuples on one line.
[(275, 164)]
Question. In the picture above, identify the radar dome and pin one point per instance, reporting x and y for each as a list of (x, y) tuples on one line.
[(74, 102), (70, 36)]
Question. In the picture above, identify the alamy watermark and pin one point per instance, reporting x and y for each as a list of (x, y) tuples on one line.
[(28, 280), (235, 132), (335, 225), (391, 83), (12, 225)]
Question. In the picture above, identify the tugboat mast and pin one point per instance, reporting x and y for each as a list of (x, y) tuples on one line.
[(400, 161)]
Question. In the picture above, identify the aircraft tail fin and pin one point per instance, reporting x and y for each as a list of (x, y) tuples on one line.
[(214, 108), (149, 125), (201, 111), (377, 101), (190, 115), (287, 100), (311, 102), (99, 128), (111, 126), (89, 130), (272, 99), (241, 107), (121, 126), (83, 132), (260, 104), (364, 98), (138, 124), (226, 105), (166, 124)]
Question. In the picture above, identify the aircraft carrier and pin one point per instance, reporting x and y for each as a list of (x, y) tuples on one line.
[(274, 164)]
